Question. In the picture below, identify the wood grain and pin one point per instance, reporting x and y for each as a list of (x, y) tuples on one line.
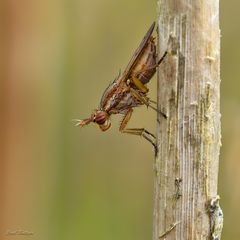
[(186, 166)]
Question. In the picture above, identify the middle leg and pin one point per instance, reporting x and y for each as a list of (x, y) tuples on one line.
[(146, 101), (137, 131)]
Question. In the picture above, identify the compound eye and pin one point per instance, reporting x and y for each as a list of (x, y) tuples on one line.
[(100, 117)]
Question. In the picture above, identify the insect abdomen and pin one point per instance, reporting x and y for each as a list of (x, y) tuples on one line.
[(146, 76), (147, 61)]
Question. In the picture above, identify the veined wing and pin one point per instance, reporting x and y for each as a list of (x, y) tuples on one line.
[(110, 90), (137, 53)]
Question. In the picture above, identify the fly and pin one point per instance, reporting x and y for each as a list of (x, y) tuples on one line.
[(129, 90)]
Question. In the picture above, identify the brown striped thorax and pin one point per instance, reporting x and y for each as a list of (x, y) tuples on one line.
[(129, 90)]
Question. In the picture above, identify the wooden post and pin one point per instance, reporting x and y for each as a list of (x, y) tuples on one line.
[(186, 166)]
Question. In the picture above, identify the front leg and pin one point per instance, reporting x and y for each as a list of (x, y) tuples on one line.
[(137, 131)]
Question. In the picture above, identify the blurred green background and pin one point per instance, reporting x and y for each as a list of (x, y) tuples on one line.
[(62, 182)]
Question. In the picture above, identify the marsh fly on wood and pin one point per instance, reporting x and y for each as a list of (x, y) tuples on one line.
[(129, 90)]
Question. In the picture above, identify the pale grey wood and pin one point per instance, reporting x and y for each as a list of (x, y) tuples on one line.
[(186, 166)]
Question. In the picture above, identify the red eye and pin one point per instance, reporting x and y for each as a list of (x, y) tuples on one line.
[(100, 118)]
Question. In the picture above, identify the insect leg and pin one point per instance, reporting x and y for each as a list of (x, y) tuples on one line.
[(125, 120), (145, 101), (136, 131), (162, 58), (139, 84), (143, 133), (154, 102), (151, 101)]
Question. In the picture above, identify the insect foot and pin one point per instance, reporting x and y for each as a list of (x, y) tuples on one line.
[(216, 218)]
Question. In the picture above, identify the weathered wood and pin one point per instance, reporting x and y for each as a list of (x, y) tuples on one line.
[(186, 166)]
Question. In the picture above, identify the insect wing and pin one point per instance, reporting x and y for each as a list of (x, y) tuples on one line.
[(137, 53), (121, 78)]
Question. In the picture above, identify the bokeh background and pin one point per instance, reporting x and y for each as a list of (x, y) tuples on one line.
[(61, 182)]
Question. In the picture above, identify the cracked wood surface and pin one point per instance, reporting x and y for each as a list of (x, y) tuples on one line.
[(186, 166)]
